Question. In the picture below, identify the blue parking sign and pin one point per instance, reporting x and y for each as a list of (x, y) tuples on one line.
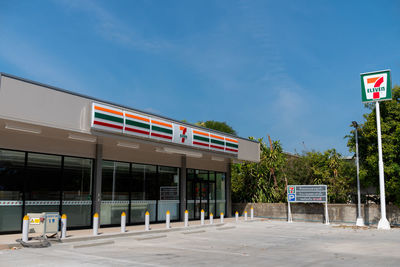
[(292, 197)]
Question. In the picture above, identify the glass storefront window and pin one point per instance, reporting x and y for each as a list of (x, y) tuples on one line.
[(169, 192), (202, 175), (212, 176), (115, 191), (77, 191), (190, 195), (43, 183), (144, 192), (220, 184), (12, 165), (212, 198)]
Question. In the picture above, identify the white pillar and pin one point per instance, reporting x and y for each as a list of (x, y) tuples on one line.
[(202, 217), (211, 218), (252, 213), (186, 218), (63, 226), (95, 224), (147, 221), (25, 228), (245, 215), (167, 220), (123, 222), (222, 217), (237, 216), (383, 222)]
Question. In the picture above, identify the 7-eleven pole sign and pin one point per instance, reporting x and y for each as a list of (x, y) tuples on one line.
[(376, 86)]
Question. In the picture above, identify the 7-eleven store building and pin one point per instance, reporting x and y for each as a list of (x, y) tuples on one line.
[(61, 151)]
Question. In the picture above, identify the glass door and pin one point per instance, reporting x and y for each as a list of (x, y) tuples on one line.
[(197, 198), (204, 198), (190, 199)]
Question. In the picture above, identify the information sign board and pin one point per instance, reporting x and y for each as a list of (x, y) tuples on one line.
[(307, 193)]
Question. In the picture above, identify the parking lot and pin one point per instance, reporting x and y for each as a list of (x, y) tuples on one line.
[(257, 243)]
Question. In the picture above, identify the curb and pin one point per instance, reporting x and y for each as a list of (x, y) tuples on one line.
[(115, 235)]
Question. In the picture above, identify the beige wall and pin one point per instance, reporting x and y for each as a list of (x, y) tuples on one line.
[(26, 102), (339, 213)]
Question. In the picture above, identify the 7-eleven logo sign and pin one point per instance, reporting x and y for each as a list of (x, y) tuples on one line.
[(291, 189), (376, 86), (183, 133)]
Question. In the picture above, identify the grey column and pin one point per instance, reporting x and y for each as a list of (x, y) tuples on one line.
[(228, 191), (182, 191), (97, 179)]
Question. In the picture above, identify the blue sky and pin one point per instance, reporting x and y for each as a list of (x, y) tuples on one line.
[(290, 69)]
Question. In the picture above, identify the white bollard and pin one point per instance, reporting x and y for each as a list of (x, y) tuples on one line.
[(245, 215), (167, 220), (237, 216), (222, 217), (147, 221), (211, 218), (252, 213), (25, 228), (63, 226), (123, 222), (95, 224), (202, 217), (186, 218)]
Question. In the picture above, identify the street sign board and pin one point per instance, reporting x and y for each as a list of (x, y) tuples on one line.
[(376, 86), (307, 193)]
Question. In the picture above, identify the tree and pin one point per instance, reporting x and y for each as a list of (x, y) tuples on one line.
[(217, 125), (368, 147), (254, 181)]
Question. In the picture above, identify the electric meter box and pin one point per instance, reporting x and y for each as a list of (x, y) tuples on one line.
[(43, 223)]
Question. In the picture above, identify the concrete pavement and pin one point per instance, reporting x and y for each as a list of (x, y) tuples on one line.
[(257, 243)]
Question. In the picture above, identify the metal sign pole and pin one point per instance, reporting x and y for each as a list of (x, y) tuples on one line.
[(360, 220), (383, 222), (290, 220), (326, 213)]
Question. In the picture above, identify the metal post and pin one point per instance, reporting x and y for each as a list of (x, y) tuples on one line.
[(202, 217), (222, 217), (360, 220), (63, 226), (252, 213), (167, 220), (245, 215), (289, 219), (383, 222), (211, 218), (186, 218), (147, 221), (25, 228), (237, 216), (95, 224), (326, 213), (123, 222)]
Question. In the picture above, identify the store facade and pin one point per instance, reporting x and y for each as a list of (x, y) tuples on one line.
[(61, 151)]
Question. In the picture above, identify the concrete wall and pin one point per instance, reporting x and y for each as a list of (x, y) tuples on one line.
[(340, 213)]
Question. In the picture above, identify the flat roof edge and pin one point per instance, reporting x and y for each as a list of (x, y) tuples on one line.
[(114, 104)]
